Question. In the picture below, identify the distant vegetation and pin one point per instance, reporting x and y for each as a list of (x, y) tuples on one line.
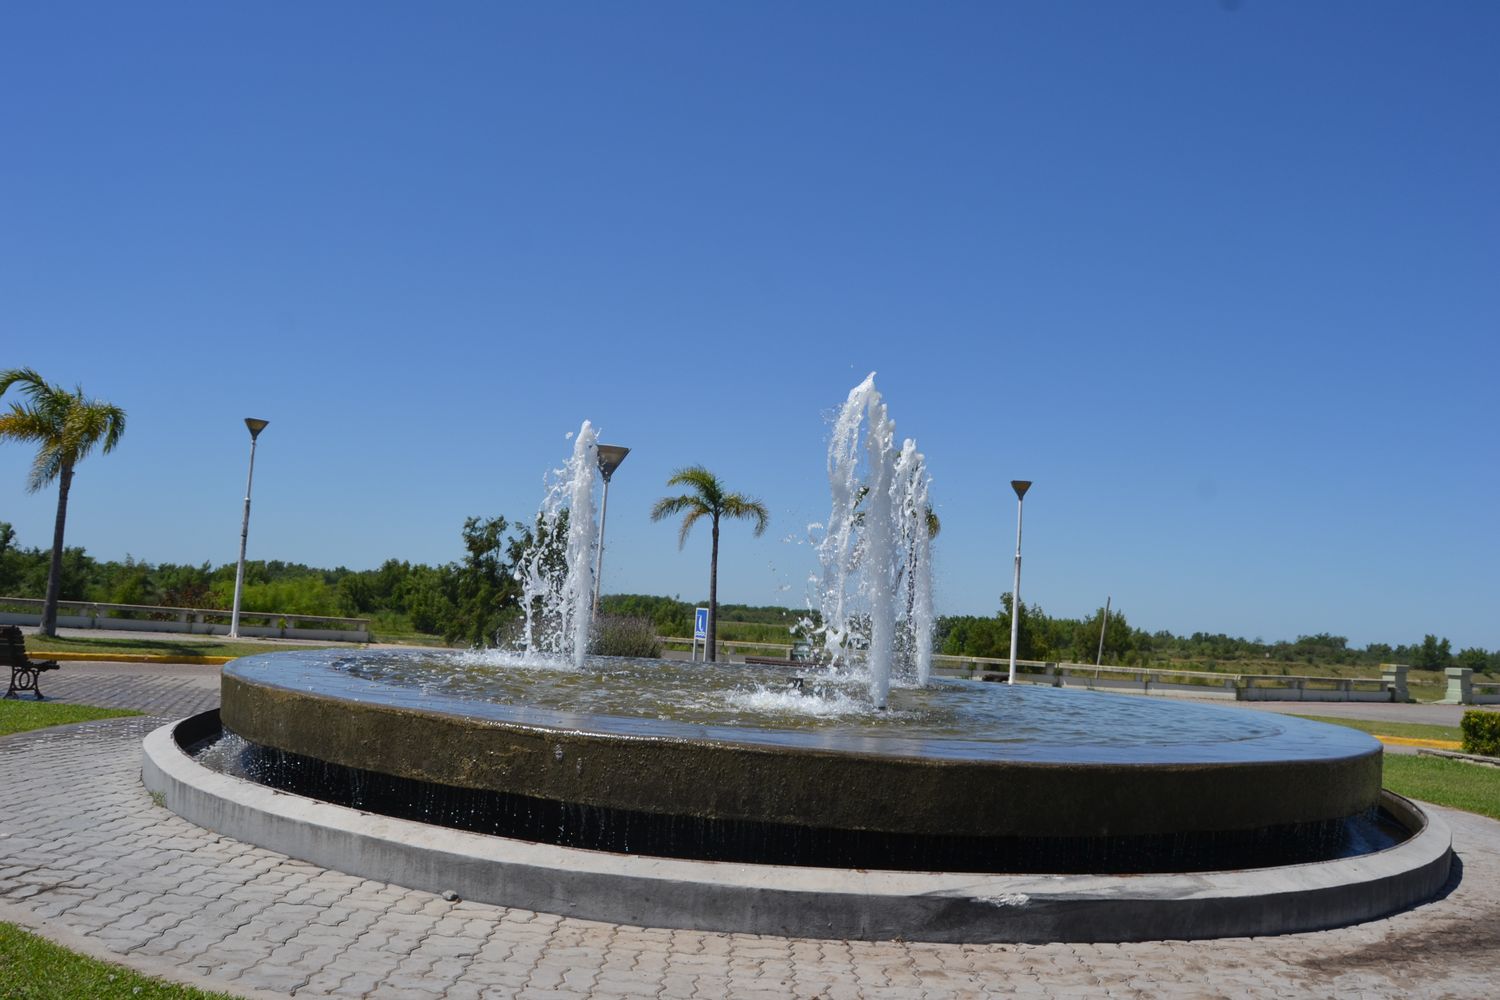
[(1076, 640), (475, 600)]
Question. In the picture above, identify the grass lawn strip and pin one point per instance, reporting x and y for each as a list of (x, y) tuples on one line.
[(32, 968), (1471, 787), (23, 715)]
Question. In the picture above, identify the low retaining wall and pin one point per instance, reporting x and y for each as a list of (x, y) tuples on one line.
[(186, 621), (1463, 689), (804, 902), (1391, 686)]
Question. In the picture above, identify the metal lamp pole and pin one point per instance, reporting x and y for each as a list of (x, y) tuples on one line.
[(1020, 486), (255, 426), (610, 457)]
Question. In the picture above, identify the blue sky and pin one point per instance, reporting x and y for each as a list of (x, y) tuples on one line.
[(1221, 281)]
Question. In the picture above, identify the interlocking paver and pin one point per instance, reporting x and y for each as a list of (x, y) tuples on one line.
[(84, 847)]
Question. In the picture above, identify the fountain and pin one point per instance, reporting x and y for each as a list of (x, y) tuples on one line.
[(865, 799), (869, 556), (557, 599)]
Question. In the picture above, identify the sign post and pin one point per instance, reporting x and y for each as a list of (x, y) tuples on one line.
[(700, 631)]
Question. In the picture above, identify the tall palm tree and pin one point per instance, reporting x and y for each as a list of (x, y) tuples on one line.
[(65, 426), (708, 499)]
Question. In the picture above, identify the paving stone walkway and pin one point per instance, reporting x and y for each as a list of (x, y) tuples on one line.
[(88, 858)]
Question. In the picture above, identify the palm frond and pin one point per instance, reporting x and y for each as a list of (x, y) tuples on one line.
[(24, 423), (45, 467), (668, 506), (66, 426), (738, 505), (708, 499), (30, 382), (700, 479), (687, 524), (90, 422)]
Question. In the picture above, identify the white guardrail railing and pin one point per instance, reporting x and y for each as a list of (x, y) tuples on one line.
[(1389, 686), (193, 621)]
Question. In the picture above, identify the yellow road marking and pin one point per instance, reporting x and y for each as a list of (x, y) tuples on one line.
[(1412, 741), (129, 657)]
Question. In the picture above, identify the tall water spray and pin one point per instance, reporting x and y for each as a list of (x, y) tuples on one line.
[(875, 589), (557, 572)]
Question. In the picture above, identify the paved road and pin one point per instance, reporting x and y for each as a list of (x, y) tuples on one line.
[(89, 858), (1437, 715)]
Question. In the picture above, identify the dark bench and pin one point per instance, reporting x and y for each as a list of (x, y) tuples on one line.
[(23, 672)]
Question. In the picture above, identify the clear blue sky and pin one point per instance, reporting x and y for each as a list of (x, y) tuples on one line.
[(1224, 281)]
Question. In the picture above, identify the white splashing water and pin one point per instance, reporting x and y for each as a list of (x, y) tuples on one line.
[(875, 588), (799, 704), (557, 573), (913, 514)]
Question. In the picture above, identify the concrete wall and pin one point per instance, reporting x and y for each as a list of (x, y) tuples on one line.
[(190, 627)]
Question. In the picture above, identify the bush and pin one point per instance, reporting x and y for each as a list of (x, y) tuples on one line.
[(1481, 733), (613, 636)]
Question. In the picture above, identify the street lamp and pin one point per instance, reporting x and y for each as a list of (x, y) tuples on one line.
[(610, 457), (1020, 486), (255, 426)]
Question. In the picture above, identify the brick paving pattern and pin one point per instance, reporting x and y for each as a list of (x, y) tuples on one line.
[(88, 857)]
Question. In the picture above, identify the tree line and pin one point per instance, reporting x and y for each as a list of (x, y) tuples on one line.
[(475, 600), (1076, 640)]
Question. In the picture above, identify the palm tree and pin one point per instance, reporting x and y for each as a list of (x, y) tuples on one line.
[(708, 499), (65, 427)]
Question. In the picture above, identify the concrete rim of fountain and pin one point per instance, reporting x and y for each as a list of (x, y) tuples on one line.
[(801, 901)]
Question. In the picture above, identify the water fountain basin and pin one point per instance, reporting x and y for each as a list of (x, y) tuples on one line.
[(961, 775)]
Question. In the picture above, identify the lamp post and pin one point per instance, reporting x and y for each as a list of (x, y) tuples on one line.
[(610, 457), (1020, 486), (255, 426)]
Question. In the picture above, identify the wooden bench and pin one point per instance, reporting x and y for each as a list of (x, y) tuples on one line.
[(23, 671)]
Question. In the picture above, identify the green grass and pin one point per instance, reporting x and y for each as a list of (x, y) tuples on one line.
[(23, 715), (32, 968), (39, 646), (1445, 782), (1410, 730), (391, 626)]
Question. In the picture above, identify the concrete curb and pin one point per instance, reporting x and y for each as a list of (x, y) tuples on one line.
[(1470, 758), (807, 902)]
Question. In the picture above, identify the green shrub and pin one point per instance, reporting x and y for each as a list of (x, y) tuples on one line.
[(1481, 733), (613, 636)]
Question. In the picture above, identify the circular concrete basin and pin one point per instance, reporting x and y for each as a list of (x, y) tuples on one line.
[(734, 763)]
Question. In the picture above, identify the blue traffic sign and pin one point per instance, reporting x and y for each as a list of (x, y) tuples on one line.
[(700, 623)]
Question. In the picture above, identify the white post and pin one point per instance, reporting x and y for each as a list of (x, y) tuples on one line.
[(609, 457), (599, 555), (255, 426), (1020, 486), (1099, 656)]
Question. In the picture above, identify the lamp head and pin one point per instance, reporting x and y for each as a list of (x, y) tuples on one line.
[(256, 426), (1020, 486), (610, 457)]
